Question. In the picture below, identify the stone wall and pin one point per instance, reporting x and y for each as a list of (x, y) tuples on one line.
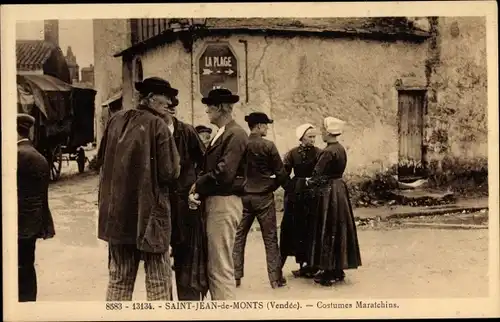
[(457, 114), (110, 37), (303, 79)]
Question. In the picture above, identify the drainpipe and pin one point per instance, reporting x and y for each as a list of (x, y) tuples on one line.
[(192, 84), (244, 42)]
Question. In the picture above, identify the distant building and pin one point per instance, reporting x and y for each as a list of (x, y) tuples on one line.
[(43, 57), (88, 74), (74, 69)]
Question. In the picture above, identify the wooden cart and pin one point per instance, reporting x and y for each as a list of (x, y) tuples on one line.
[(64, 119)]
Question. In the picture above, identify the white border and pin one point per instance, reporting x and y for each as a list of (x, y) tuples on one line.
[(96, 310)]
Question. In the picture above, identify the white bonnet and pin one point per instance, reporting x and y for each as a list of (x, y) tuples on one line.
[(302, 129), (333, 126)]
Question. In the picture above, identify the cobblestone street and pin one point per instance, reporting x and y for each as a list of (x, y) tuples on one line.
[(398, 262)]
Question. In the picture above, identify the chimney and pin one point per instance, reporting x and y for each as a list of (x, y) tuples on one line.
[(51, 31)]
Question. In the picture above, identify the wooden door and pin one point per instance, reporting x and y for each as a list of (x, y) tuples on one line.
[(411, 106)]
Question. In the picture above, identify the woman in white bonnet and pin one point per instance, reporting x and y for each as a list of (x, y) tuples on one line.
[(298, 200), (335, 244)]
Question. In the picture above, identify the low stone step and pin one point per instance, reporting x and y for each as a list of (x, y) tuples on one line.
[(421, 197)]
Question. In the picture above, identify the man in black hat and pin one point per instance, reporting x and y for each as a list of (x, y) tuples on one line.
[(219, 187), (188, 231), (266, 173), (139, 162), (205, 133), (34, 218)]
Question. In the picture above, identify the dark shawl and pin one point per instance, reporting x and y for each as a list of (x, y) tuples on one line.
[(298, 200)]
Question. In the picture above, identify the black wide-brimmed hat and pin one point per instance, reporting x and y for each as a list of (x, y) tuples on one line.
[(203, 129), (25, 121), (258, 118), (220, 95), (156, 85)]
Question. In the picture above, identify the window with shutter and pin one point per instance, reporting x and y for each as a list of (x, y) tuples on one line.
[(143, 29)]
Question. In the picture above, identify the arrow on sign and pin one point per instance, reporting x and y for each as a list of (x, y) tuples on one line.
[(207, 71), (229, 71)]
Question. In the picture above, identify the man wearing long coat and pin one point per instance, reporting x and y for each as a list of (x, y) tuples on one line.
[(188, 227), (34, 218), (139, 161)]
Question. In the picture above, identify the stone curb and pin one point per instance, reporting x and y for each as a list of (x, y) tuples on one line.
[(434, 212), (444, 226)]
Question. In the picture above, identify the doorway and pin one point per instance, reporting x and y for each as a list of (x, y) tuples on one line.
[(411, 111)]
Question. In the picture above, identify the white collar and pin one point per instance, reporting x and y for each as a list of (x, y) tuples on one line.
[(171, 128), (22, 140), (218, 134)]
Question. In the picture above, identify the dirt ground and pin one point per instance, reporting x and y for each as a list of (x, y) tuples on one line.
[(398, 262)]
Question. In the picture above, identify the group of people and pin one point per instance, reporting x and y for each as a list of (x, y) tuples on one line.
[(164, 183)]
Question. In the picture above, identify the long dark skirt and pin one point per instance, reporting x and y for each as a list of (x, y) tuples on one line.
[(295, 225), (335, 243), (189, 244)]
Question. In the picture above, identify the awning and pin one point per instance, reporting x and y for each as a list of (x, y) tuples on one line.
[(113, 98), (46, 83), (39, 86)]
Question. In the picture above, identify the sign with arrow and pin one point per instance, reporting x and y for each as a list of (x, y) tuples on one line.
[(218, 67)]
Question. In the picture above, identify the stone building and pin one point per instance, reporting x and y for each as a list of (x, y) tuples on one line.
[(88, 75), (394, 80), (43, 57), (110, 36), (74, 69)]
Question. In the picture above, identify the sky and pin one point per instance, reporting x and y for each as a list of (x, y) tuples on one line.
[(75, 33)]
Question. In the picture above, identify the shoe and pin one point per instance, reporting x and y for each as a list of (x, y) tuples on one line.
[(296, 273), (279, 283), (311, 272), (325, 279), (305, 271), (340, 277), (238, 282), (327, 282)]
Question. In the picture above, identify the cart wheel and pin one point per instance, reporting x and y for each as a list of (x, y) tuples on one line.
[(80, 159), (56, 162)]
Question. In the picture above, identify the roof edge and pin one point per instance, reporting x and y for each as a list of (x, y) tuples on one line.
[(172, 35)]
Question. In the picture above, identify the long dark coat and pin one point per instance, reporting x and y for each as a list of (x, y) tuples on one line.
[(224, 170), (335, 243), (139, 161), (297, 203), (188, 228), (34, 217)]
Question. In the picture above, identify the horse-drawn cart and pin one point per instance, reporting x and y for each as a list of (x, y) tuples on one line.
[(64, 119)]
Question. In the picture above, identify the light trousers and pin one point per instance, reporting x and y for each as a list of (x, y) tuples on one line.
[(223, 214)]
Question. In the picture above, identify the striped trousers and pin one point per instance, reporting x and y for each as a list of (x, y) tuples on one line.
[(123, 264)]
